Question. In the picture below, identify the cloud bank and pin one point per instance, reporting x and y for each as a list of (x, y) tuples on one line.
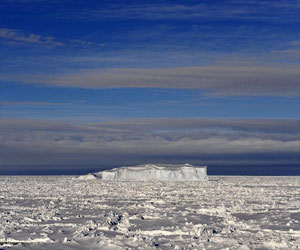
[(32, 142), (220, 80)]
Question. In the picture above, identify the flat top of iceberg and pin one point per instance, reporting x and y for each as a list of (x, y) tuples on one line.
[(169, 167)]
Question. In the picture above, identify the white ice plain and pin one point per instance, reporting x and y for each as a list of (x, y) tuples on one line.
[(152, 172), (62, 213)]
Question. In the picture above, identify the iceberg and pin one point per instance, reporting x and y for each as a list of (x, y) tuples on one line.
[(152, 172)]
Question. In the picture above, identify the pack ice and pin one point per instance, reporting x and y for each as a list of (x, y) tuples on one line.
[(151, 172)]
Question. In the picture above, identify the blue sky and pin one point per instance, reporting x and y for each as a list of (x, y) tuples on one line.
[(84, 62)]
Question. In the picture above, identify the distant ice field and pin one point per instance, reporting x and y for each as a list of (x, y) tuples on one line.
[(233, 212)]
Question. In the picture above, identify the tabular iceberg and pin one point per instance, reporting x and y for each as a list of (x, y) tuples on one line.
[(152, 172)]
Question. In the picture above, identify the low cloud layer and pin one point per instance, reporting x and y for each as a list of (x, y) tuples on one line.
[(32, 143), (220, 80)]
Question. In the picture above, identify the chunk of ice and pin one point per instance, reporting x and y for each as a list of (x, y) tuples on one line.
[(151, 172)]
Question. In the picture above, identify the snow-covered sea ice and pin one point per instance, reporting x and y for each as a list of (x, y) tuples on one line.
[(64, 212)]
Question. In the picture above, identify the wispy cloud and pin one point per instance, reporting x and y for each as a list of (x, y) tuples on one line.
[(290, 50), (295, 43), (245, 10), (20, 38), (83, 43), (160, 10), (8, 103), (293, 53), (130, 142), (215, 79)]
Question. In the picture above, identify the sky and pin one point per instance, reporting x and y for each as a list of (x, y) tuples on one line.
[(90, 85)]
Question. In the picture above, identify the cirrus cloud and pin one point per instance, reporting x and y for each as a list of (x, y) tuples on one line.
[(18, 37)]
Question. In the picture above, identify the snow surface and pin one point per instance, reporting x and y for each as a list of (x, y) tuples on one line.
[(152, 172), (65, 213)]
